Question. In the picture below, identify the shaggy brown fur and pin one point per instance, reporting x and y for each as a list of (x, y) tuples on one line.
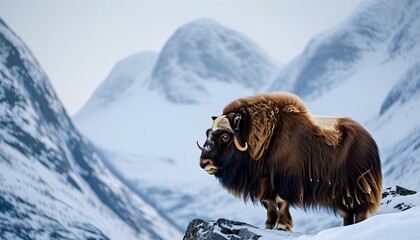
[(298, 159)]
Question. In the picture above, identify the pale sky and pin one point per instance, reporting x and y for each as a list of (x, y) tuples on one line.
[(77, 42)]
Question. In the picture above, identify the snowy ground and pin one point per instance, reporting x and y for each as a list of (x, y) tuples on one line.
[(403, 225)]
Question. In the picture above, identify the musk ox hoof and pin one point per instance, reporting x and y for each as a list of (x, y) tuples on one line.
[(269, 225), (284, 221), (282, 227)]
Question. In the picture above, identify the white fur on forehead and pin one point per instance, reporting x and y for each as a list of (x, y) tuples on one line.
[(222, 122)]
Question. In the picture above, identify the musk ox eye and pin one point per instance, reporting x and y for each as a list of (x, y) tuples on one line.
[(225, 137)]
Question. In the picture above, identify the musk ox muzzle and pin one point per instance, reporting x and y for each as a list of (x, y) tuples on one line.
[(206, 159), (208, 166)]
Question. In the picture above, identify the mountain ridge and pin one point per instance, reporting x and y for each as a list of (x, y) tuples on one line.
[(204, 50), (53, 183), (333, 57)]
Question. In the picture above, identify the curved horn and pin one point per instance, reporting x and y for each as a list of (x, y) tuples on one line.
[(199, 147), (238, 145)]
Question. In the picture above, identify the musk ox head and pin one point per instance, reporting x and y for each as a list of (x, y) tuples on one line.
[(226, 136), (247, 125)]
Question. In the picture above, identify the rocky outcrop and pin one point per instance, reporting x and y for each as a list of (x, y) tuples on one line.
[(220, 229), (398, 199)]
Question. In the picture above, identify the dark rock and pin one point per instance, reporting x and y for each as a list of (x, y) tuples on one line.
[(221, 229), (397, 199), (398, 191), (404, 191), (403, 206)]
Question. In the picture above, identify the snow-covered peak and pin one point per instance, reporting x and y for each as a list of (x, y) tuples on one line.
[(127, 74), (206, 51)]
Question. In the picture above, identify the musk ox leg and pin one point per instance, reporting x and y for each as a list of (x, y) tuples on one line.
[(360, 216), (348, 217), (271, 207), (278, 215), (284, 219), (348, 220)]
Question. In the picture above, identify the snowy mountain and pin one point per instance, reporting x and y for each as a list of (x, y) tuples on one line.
[(398, 127), (53, 183), (364, 64), (378, 35), (205, 51)]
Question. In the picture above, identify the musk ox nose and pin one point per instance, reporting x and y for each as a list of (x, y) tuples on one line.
[(208, 166), (204, 163)]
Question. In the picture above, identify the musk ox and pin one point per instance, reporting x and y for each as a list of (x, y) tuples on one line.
[(268, 148)]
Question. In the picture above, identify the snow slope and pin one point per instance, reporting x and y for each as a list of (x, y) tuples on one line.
[(119, 83), (403, 225), (364, 63), (377, 35), (53, 184), (397, 127)]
